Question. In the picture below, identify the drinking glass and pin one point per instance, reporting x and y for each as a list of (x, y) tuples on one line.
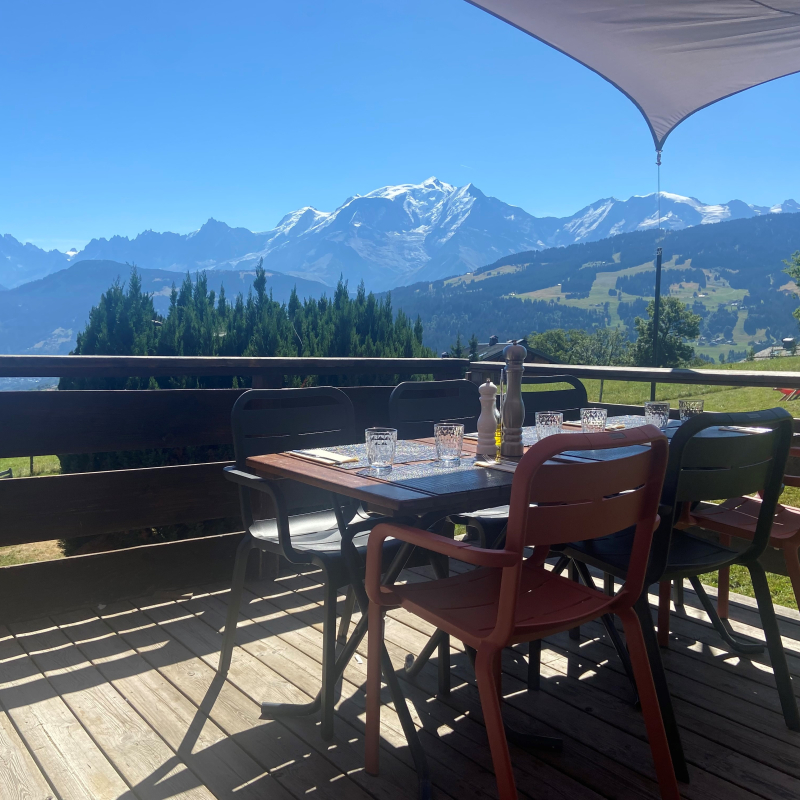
[(449, 440), (381, 444), (656, 412), (548, 423), (690, 408), (593, 420)]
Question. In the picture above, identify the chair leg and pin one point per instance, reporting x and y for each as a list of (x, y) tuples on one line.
[(724, 582), (234, 601), (493, 718), (723, 627), (574, 633), (659, 677), (664, 598), (441, 568), (373, 721), (776, 655), (328, 695), (534, 664), (677, 588), (347, 615), (650, 707)]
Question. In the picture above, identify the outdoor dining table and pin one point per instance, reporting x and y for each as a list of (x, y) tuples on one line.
[(420, 490)]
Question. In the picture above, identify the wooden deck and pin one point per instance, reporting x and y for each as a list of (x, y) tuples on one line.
[(121, 702)]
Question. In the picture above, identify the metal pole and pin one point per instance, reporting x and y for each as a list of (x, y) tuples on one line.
[(657, 303)]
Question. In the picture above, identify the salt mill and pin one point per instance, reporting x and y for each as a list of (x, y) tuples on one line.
[(513, 407), (487, 425)]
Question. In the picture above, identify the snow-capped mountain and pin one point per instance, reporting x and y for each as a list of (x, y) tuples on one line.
[(390, 237)]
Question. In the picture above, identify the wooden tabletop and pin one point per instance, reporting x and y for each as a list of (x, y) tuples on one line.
[(397, 494), (462, 491)]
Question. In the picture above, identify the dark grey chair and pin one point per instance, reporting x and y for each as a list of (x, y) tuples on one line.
[(416, 406), (275, 420), (704, 465), (568, 401)]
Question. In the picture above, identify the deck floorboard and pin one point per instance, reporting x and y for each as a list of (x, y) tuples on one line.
[(124, 702)]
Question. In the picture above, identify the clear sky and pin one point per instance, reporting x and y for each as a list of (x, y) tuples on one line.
[(116, 117)]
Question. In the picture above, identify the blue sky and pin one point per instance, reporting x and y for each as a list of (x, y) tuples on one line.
[(119, 117)]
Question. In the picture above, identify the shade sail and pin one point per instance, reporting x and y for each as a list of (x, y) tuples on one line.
[(670, 57)]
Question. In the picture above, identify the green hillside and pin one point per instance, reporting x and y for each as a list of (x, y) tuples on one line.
[(730, 272)]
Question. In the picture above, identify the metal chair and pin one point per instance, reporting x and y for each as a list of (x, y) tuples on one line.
[(416, 406), (705, 465), (509, 599), (275, 420), (568, 401)]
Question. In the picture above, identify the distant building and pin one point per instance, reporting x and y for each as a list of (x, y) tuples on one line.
[(493, 351)]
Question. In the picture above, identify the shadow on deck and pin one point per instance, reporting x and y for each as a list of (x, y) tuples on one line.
[(122, 701)]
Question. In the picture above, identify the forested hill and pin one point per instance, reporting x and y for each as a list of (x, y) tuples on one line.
[(751, 249), (746, 254)]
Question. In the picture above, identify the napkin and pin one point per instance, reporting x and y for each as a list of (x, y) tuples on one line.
[(503, 466), (325, 456), (610, 426)]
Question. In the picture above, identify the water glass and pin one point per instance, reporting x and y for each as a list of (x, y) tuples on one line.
[(656, 412), (593, 420), (548, 423), (381, 444), (449, 438), (690, 408)]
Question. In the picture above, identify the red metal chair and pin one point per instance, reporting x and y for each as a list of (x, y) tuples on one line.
[(738, 517), (510, 599)]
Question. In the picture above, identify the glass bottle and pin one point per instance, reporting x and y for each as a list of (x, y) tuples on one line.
[(498, 415)]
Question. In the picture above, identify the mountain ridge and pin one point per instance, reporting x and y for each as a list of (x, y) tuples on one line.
[(389, 237)]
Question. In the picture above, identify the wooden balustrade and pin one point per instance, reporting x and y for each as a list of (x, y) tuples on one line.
[(79, 422)]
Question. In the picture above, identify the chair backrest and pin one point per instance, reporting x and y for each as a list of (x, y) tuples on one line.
[(706, 463), (568, 401), (555, 502), (273, 420), (415, 406)]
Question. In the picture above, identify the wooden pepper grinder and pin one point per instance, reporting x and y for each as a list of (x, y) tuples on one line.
[(487, 425), (513, 407)]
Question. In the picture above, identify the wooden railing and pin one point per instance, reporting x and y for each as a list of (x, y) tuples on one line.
[(73, 422)]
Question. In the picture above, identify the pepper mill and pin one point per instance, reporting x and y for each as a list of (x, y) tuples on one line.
[(487, 425), (513, 407)]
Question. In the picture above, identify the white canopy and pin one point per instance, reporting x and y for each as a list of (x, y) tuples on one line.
[(670, 57)]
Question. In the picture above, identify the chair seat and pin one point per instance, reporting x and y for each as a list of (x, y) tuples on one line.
[(688, 554), (738, 517), (466, 605), (317, 534), (492, 520)]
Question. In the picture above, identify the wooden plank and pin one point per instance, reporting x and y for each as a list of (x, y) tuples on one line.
[(56, 423), (74, 764), (272, 744), (28, 591), (20, 778), (219, 762), (210, 366), (109, 719), (81, 504)]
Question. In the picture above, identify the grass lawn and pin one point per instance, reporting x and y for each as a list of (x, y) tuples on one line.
[(21, 467)]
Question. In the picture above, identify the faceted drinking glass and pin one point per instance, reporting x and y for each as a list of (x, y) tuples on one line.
[(593, 420), (690, 408), (548, 423), (449, 440), (381, 444), (656, 412)]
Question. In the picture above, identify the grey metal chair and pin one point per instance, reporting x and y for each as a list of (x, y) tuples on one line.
[(416, 406), (568, 401), (276, 420)]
